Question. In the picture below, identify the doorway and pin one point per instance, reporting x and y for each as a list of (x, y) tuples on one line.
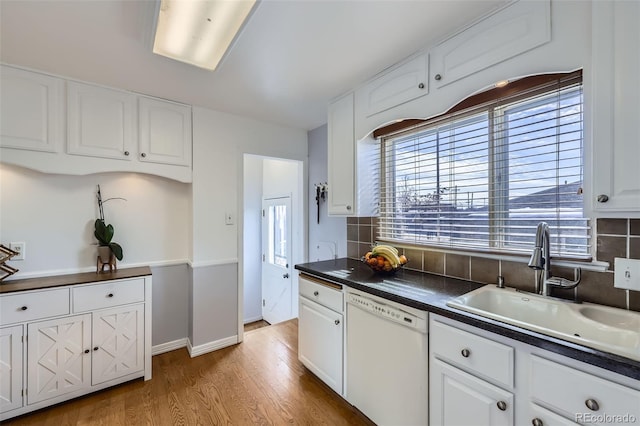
[(277, 297), (269, 178)]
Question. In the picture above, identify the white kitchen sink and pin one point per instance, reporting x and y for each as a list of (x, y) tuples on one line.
[(600, 327)]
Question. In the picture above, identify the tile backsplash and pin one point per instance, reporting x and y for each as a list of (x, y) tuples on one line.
[(613, 238)]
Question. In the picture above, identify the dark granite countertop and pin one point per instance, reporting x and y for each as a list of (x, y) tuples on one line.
[(25, 284), (431, 293)]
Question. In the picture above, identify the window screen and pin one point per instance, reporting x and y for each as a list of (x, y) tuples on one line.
[(483, 178)]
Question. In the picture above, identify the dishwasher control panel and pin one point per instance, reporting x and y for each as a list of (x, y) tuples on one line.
[(393, 313)]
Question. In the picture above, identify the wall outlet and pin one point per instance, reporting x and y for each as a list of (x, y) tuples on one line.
[(627, 273), (20, 248)]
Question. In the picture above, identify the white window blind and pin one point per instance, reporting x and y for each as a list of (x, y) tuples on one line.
[(483, 178)]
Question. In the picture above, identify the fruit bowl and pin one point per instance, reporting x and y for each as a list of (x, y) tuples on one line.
[(384, 259)]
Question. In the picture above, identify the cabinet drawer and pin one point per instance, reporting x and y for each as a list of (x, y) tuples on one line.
[(571, 392), (108, 294), (320, 293), (22, 307), (473, 353)]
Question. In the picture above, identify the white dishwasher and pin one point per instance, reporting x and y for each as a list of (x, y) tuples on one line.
[(387, 360)]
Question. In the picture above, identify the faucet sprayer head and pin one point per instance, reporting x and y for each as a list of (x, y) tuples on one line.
[(537, 259)]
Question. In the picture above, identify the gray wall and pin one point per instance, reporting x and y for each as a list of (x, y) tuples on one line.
[(170, 303), (214, 293), (329, 238)]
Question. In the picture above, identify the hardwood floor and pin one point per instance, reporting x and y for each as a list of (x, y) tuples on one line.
[(259, 381), (255, 325)]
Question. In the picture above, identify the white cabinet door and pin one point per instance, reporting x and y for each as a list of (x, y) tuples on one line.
[(458, 398), (165, 132), (101, 121), (341, 157), (402, 84), (58, 357), (118, 343), (10, 368), (32, 110), (518, 28), (320, 332), (616, 106)]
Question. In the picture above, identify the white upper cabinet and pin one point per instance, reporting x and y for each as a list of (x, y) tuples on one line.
[(516, 29), (165, 132), (342, 155), (616, 107), (101, 121), (94, 129), (32, 110), (402, 84)]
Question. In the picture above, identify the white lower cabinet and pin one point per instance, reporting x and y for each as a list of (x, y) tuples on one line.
[(11, 367), (118, 343), (458, 398), (321, 331), (58, 357), (481, 378), (79, 339)]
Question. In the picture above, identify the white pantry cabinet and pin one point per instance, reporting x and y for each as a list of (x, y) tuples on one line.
[(32, 110), (11, 368), (102, 121), (321, 331), (615, 107), (79, 338), (165, 132)]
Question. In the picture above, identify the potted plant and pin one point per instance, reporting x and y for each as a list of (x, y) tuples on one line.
[(104, 234)]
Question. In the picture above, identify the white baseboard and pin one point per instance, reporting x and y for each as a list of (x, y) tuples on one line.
[(194, 351), (254, 319), (169, 346)]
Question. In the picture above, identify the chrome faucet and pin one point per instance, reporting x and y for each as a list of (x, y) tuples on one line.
[(541, 260)]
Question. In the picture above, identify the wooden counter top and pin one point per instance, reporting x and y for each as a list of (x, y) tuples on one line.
[(71, 279)]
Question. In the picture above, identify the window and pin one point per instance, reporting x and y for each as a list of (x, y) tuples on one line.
[(483, 177)]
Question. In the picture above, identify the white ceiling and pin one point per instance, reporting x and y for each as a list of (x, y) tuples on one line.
[(291, 58)]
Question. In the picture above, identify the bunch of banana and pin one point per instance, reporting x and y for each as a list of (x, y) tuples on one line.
[(388, 252)]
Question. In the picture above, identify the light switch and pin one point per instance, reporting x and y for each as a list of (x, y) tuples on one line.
[(627, 273), (228, 218)]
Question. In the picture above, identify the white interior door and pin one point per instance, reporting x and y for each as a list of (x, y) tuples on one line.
[(277, 289)]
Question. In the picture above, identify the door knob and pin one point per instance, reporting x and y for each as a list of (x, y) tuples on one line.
[(286, 275)]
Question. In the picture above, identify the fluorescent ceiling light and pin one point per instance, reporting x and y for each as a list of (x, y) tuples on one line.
[(199, 32)]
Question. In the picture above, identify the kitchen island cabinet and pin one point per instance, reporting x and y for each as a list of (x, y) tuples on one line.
[(64, 336)]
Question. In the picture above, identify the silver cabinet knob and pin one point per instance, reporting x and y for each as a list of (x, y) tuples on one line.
[(348, 207), (602, 198), (110, 295), (144, 154), (502, 406), (337, 322), (315, 293), (421, 86), (465, 353), (438, 77), (95, 348), (24, 308), (86, 351), (126, 153), (537, 422), (592, 404)]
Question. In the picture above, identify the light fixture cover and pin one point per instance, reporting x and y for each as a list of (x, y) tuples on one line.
[(199, 32)]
